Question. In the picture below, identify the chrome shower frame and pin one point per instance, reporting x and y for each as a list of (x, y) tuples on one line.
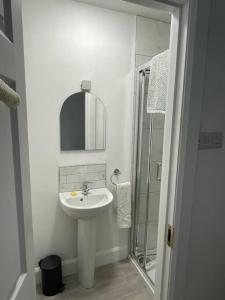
[(141, 73)]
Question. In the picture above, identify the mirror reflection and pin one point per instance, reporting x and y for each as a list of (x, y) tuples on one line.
[(82, 123)]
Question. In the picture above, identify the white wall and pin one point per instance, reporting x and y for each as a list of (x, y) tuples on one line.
[(66, 42), (152, 37), (58, 56), (206, 262)]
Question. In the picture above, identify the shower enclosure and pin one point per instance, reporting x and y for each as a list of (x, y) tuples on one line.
[(148, 146)]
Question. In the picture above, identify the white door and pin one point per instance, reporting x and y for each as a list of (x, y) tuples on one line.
[(16, 238)]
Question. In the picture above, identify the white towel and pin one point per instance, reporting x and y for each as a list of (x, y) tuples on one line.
[(158, 78), (124, 205)]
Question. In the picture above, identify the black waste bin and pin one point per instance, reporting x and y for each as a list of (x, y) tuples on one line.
[(51, 274)]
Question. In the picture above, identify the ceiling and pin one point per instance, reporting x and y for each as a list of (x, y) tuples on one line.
[(130, 8)]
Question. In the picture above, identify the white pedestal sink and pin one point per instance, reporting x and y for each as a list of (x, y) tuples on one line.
[(85, 208)]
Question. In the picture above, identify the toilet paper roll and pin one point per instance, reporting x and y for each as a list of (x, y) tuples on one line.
[(8, 95)]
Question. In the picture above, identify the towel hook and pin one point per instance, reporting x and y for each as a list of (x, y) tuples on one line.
[(116, 172)]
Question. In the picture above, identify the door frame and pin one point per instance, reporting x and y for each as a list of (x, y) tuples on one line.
[(182, 125)]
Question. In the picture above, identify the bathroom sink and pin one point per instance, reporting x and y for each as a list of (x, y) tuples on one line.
[(86, 206)]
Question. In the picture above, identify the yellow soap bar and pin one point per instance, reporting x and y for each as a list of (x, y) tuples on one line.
[(73, 193)]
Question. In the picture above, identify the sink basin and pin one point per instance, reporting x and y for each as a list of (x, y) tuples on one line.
[(83, 207), (86, 209)]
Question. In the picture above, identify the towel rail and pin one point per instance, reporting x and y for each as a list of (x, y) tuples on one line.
[(116, 172)]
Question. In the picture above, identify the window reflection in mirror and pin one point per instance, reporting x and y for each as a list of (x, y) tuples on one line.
[(82, 123)]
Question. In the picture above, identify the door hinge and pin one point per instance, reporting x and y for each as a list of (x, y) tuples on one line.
[(170, 236)]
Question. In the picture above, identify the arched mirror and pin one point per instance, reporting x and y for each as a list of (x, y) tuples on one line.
[(82, 123)]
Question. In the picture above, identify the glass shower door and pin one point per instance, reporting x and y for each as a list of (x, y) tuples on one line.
[(155, 162), (142, 170), (148, 181)]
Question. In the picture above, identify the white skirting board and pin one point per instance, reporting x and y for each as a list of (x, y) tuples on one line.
[(105, 257)]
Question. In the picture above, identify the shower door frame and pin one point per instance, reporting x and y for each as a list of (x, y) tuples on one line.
[(137, 154), (177, 186)]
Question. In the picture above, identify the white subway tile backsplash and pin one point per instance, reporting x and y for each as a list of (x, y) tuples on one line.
[(78, 186), (72, 177), (67, 170), (62, 179), (80, 169), (85, 177), (97, 184), (67, 187)]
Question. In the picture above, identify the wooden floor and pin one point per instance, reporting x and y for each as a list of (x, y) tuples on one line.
[(120, 281)]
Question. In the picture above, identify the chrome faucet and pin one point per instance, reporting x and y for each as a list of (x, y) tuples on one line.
[(85, 189)]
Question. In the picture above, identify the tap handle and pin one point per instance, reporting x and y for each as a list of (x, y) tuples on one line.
[(85, 184)]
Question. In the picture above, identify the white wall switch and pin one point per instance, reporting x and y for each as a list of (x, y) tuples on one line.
[(86, 85), (210, 140)]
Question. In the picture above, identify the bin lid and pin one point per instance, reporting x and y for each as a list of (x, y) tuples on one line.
[(50, 262)]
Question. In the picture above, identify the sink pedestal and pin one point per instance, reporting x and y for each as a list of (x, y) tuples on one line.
[(86, 251), (85, 209)]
